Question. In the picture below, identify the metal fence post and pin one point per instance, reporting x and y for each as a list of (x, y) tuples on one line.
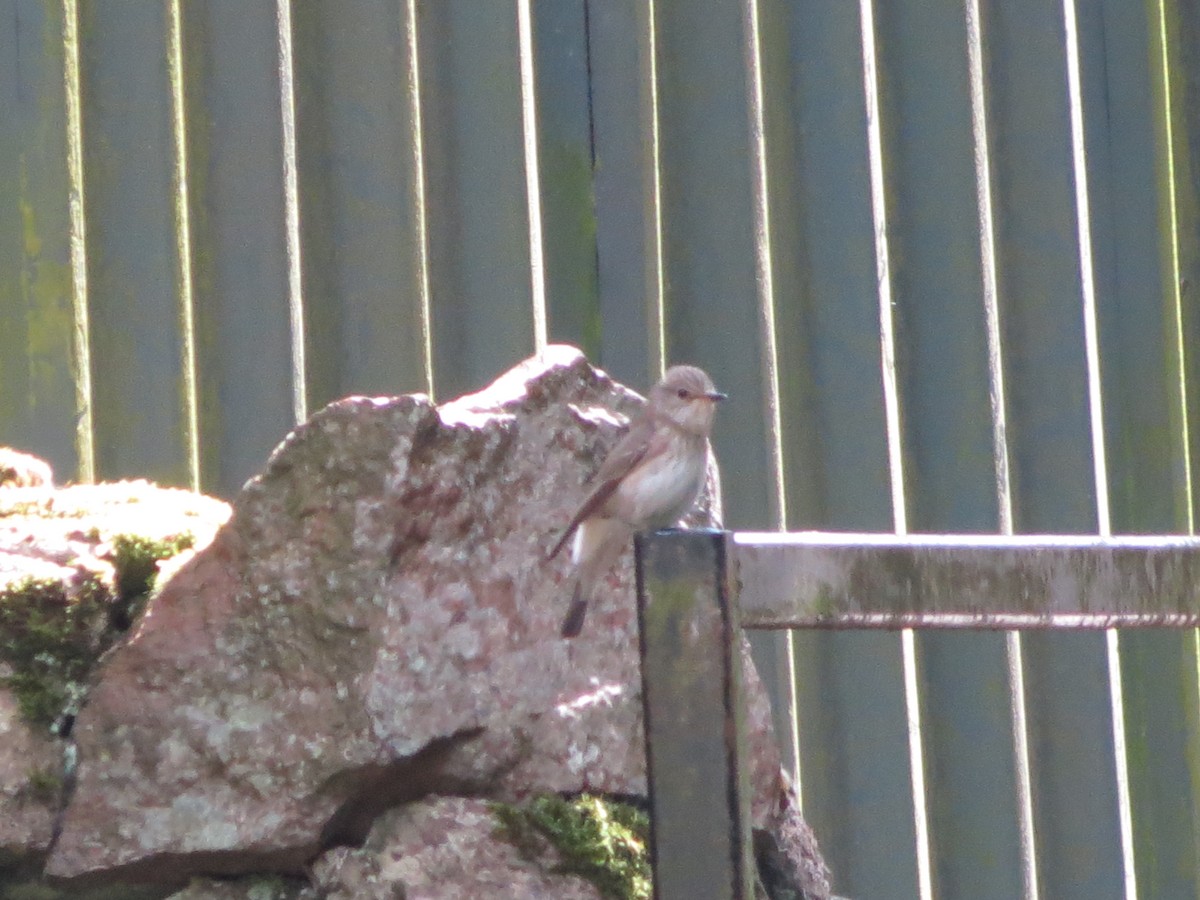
[(695, 722)]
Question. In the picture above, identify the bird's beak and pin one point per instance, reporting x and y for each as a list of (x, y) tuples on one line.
[(716, 395)]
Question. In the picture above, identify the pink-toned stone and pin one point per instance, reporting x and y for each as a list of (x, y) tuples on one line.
[(443, 848), (30, 770), (19, 469), (66, 535), (266, 887), (376, 623)]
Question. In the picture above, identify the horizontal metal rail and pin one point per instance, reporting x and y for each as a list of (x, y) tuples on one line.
[(696, 589), (827, 580)]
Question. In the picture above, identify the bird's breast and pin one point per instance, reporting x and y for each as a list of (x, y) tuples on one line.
[(660, 491)]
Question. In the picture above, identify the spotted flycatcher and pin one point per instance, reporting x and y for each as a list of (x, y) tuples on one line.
[(650, 480)]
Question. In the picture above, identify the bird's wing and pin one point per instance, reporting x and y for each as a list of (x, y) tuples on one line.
[(637, 444)]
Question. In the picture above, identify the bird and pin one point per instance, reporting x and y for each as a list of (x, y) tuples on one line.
[(650, 479)]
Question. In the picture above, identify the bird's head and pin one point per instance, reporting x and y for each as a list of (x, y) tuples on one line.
[(687, 397)]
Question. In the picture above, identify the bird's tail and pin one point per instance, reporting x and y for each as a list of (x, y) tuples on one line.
[(573, 623)]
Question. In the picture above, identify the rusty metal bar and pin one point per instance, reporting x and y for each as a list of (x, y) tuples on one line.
[(824, 580), (694, 715)]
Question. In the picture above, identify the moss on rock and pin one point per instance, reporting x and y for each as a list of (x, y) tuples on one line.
[(51, 636), (48, 643), (45, 785), (602, 840), (136, 558)]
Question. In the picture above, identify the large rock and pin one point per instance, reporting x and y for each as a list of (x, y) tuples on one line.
[(30, 783), (75, 564), (376, 624), (19, 469), (445, 848)]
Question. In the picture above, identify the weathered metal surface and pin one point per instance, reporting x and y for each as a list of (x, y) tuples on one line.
[(135, 267), (695, 721), (623, 149), (561, 71), (37, 341), (237, 236), (1068, 712), (1181, 20), (713, 303), (1176, 712), (939, 229), (849, 685), (1135, 254), (1076, 823), (359, 183), (814, 580), (476, 192)]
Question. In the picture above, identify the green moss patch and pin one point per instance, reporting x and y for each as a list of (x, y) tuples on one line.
[(49, 642), (136, 560), (268, 887), (44, 785), (604, 841), (50, 639)]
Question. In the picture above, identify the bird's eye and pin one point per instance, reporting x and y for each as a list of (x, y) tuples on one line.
[(682, 393)]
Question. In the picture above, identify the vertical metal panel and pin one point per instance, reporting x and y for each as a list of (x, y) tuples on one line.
[(933, 228), (1075, 805), (974, 813), (361, 242), (849, 686), (623, 150), (564, 139), (133, 254), (291, 207), (1136, 282), (857, 799), (1134, 289), (239, 251), (1037, 261), (711, 299), (826, 304), (1159, 672), (1069, 717), (1182, 57), (478, 219), (708, 252), (38, 405)]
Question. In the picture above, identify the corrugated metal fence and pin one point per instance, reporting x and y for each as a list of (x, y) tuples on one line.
[(943, 253)]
